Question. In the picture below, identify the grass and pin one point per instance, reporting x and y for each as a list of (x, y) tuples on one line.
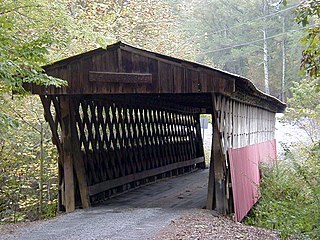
[(290, 194)]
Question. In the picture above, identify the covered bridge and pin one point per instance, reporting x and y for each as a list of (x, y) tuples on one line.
[(130, 116)]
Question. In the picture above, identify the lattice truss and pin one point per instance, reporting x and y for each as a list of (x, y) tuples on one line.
[(52, 115), (118, 139), (242, 124)]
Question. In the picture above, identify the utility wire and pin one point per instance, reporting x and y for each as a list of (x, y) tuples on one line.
[(254, 20), (255, 41)]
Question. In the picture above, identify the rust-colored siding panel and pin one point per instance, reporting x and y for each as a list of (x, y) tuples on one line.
[(245, 175)]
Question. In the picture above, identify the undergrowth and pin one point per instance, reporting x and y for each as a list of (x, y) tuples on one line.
[(290, 195)]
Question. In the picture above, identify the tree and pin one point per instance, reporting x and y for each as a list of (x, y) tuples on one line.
[(21, 183), (308, 14), (230, 35), (22, 52), (304, 108)]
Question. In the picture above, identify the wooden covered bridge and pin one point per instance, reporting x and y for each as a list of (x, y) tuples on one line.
[(129, 117)]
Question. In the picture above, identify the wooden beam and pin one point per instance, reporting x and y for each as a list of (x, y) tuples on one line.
[(49, 118), (67, 155), (211, 190), (216, 187), (200, 149), (103, 186), (78, 160), (120, 77)]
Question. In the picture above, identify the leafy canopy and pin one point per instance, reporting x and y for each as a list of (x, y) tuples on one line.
[(308, 14), (22, 50)]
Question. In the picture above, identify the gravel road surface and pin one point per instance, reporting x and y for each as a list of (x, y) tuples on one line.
[(137, 223), (99, 223)]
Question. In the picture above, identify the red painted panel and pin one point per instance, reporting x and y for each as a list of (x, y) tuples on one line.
[(245, 177)]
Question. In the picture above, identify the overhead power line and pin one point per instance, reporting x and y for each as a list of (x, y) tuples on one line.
[(255, 41), (252, 21)]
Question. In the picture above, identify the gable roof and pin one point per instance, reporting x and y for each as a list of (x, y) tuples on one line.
[(125, 69)]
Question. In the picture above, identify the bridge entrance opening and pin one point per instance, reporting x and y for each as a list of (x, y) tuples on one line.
[(130, 117)]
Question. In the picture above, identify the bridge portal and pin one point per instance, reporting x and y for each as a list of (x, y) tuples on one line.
[(129, 117)]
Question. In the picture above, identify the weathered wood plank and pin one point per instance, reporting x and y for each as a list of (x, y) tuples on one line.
[(217, 197), (46, 101), (67, 155), (103, 186), (187, 191), (120, 77), (78, 160)]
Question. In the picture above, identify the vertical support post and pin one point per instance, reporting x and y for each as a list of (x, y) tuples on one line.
[(60, 189), (78, 159), (200, 149), (211, 186), (67, 154), (217, 184)]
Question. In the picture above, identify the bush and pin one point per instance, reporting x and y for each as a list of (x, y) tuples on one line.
[(290, 194), (22, 179)]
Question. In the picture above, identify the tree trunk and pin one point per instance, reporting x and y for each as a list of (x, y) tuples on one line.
[(283, 61), (265, 52), (266, 62), (41, 171)]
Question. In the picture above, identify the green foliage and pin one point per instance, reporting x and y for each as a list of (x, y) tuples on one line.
[(308, 13), (291, 191), (307, 10), (291, 196), (304, 108), (229, 36), (21, 51), (20, 164)]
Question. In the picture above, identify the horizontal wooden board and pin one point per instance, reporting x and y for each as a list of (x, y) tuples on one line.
[(120, 77), (103, 186)]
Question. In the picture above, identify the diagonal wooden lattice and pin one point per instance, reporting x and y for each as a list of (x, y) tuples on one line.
[(126, 142), (52, 112)]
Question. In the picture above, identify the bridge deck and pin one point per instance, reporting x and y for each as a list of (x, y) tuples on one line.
[(187, 191)]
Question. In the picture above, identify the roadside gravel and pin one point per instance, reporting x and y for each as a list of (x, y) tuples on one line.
[(204, 225), (135, 223)]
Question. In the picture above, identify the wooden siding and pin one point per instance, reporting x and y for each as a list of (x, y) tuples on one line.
[(235, 125), (169, 75)]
